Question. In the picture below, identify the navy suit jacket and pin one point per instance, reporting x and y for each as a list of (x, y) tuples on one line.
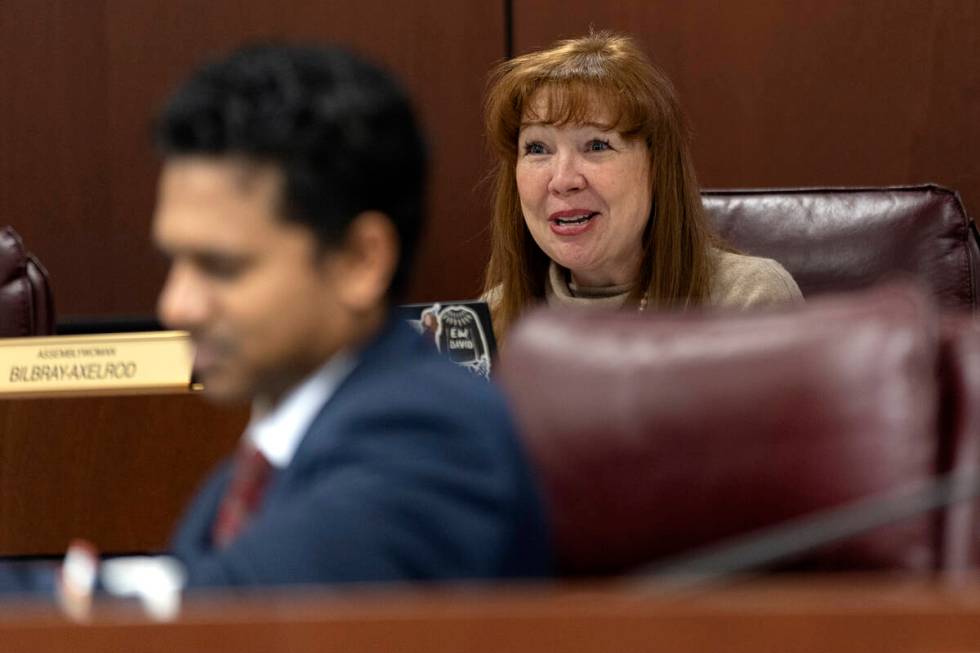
[(411, 471)]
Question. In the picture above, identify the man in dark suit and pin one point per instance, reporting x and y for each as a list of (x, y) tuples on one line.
[(290, 203)]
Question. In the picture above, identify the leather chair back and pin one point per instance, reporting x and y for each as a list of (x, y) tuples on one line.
[(960, 420), (26, 301), (836, 239), (657, 434)]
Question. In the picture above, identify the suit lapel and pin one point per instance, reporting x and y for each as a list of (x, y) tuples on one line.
[(394, 345)]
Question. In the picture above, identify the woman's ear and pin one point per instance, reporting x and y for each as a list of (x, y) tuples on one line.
[(367, 262)]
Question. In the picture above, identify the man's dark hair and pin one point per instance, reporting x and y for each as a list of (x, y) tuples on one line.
[(340, 129)]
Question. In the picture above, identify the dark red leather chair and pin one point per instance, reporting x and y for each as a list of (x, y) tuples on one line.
[(26, 301), (960, 420), (654, 435), (836, 239)]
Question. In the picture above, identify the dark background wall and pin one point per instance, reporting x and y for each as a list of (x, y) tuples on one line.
[(807, 92), (781, 93)]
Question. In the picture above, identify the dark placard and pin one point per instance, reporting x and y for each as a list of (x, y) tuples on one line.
[(461, 330)]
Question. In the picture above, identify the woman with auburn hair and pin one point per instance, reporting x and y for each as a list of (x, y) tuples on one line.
[(596, 200)]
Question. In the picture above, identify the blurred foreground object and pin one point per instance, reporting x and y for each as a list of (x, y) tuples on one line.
[(673, 432), (844, 615)]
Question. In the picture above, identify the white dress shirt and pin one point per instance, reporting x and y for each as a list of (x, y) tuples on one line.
[(278, 433)]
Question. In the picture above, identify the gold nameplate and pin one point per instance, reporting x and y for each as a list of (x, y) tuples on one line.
[(109, 363)]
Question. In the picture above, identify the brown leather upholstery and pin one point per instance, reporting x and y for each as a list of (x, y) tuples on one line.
[(841, 239), (656, 434), (26, 302)]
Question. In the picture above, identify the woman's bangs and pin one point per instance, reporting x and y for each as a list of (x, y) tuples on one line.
[(583, 102)]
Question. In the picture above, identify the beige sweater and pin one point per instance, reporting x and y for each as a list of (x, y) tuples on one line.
[(740, 282)]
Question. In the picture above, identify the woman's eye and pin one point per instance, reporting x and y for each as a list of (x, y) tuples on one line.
[(533, 148), (598, 145)]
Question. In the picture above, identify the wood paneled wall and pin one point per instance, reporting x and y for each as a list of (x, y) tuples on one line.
[(780, 92)]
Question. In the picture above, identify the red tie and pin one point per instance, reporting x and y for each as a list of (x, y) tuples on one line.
[(244, 494)]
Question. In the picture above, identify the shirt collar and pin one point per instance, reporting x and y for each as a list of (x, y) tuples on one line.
[(278, 433), (560, 292)]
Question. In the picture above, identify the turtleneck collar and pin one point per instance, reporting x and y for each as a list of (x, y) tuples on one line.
[(559, 291)]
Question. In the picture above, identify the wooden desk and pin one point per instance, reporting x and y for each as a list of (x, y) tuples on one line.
[(808, 616), (115, 470)]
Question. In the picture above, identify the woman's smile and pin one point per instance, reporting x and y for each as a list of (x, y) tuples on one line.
[(572, 222)]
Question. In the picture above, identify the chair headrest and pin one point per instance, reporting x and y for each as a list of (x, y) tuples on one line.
[(837, 239)]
